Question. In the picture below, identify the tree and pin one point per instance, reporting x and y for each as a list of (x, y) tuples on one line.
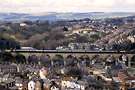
[(7, 42), (133, 61), (81, 39), (20, 58), (45, 60), (33, 59), (71, 61), (7, 57), (74, 71), (84, 59), (65, 29), (58, 60)]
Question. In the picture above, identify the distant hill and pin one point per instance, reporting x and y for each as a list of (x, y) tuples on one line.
[(53, 16)]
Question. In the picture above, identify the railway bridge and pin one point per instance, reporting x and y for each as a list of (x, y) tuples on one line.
[(78, 54)]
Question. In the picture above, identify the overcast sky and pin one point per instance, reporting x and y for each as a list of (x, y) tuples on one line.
[(38, 6)]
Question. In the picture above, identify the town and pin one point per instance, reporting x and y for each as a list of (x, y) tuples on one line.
[(83, 54), (67, 71), (67, 44)]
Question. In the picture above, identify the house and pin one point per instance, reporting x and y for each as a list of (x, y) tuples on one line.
[(8, 69), (71, 85), (82, 31), (125, 81), (23, 25), (131, 38)]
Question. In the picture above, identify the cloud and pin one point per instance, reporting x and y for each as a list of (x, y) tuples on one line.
[(33, 6)]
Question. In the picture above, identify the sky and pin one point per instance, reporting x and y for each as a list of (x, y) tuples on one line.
[(39, 6)]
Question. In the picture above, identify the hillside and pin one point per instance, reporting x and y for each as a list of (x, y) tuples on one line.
[(53, 16), (109, 33)]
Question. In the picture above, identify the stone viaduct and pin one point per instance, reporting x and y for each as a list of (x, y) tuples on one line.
[(64, 54)]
